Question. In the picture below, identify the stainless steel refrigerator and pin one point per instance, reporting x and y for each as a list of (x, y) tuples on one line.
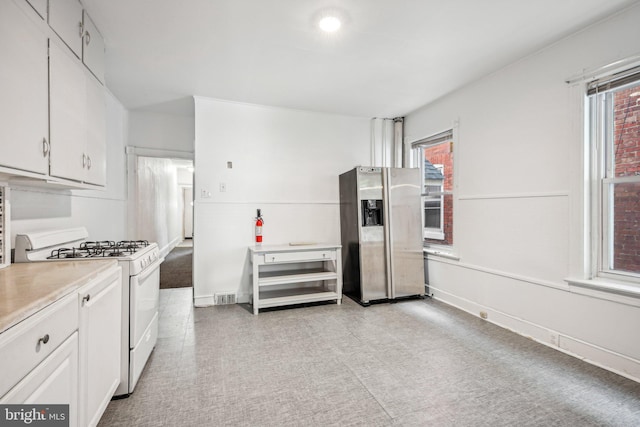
[(381, 231)]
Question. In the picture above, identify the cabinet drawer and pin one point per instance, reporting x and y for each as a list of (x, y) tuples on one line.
[(277, 257), (22, 347)]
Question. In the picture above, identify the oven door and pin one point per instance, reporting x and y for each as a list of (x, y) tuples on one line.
[(143, 303)]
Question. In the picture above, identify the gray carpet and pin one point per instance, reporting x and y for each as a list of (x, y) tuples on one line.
[(415, 363), (176, 270)]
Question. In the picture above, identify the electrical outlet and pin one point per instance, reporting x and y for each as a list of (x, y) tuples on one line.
[(205, 194), (223, 187)]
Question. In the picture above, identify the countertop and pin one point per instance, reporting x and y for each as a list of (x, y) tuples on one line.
[(26, 288), (293, 247)]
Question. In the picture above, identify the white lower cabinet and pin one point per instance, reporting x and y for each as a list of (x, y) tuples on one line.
[(54, 381), (39, 358), (68, 352), (100, 313)]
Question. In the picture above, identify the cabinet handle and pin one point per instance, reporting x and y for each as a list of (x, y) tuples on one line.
[(44, 339), (45, 147), (84, 160), (87, 38), (80, 29), (86, 298), (88, 162)]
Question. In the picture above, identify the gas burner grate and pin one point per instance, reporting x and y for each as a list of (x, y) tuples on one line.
[(98, 245), (64, 253), (131, 246), (103, 248)]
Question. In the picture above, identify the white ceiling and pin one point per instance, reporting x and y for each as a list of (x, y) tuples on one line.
[(389, 58)]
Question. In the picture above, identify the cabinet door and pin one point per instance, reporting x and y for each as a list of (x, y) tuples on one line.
[(54, 381), (40, 6), (23, 85), (93, 48), (100, 314), (67, 115), (96, 128), (65, 17)]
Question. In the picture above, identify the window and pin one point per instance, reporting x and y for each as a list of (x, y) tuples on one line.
[(434, 156), (433, 200), (614, 104)]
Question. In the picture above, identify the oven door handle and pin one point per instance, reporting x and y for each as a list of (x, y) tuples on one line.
[(148, 270)]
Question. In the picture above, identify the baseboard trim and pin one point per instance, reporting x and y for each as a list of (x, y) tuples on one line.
[(210, 300), (204, 301), (590, 353)]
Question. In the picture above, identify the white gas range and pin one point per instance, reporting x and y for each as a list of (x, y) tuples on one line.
[(140, 262)]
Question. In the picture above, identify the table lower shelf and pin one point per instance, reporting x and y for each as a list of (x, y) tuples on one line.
[(279, 297), (295, 276)]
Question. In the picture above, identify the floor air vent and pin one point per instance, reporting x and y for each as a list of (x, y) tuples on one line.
[(224, 299)]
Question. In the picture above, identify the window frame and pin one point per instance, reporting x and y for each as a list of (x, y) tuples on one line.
[(433, 232), (416, 156), (602, 179)]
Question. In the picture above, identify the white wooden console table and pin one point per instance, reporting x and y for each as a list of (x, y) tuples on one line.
[(295, 274)]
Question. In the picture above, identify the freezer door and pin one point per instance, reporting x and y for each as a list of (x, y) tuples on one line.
[(372, 249), (405, 232)]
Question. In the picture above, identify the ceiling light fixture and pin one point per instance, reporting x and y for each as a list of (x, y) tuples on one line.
[(329, 24)]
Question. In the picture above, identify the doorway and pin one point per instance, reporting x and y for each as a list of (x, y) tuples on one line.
[(161, 210)]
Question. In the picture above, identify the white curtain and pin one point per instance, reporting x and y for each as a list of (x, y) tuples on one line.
[(158, 212)]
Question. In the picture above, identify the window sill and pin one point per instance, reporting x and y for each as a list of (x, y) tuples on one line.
[(443, 254), (435, 235), (615, 288)]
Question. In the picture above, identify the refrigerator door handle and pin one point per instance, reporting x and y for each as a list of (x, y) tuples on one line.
[(388, 235)]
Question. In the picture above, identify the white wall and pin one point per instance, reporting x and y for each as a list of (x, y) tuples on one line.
[(162, 135), (161, 131), (103, 213), (285, 162), (518, 218)]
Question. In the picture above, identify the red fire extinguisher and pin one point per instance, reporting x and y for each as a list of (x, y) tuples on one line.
[(259, 222)]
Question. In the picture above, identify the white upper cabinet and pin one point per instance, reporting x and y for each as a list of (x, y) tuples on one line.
[(40, 6), (93, 48), (23, 85), (52, 99), (96, 129), (65, 18), (77, 120), (68, 115)]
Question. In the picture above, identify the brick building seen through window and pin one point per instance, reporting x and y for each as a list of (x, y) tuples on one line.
[(626, 195), (438, 193)]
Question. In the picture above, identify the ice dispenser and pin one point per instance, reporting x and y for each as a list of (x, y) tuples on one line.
[(372, 213)]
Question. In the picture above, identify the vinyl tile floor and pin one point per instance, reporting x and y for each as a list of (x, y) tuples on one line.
[(413, 363)]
